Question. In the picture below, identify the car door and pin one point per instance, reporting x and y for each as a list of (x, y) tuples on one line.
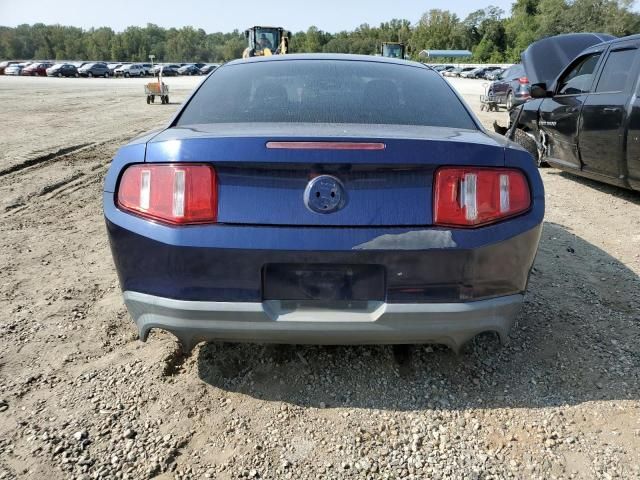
[(601, 141), (500, 85), (560, 115)]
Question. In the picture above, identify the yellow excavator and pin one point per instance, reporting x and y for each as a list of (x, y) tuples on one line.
[(393, 50), (265, 41)]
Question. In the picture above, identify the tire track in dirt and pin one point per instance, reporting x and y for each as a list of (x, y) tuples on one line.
[(42, 159)]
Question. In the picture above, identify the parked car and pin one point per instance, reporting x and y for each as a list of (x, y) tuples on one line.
[(130, 70), (586, 119), (62, 70), (168, 70), (484, 71), (148, 68), (16, 68), (512, 88), (252, 217), (452, 72), (457, 72), (446, 69), (112, 68), (97, 69), (189, 70), (494, 74), (37, 69), (209, 68), (470, 73), (4, 65)]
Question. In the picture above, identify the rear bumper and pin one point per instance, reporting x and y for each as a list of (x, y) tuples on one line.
[(450, 324)]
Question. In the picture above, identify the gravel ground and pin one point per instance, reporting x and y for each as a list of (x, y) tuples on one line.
[(82, 398)]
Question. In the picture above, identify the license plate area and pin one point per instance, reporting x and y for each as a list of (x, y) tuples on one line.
[(323, 282)]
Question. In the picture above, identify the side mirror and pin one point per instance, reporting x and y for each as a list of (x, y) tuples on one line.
[(539, 90)]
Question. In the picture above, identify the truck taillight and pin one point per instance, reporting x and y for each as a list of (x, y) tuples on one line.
[(179, 194), (474, 196)]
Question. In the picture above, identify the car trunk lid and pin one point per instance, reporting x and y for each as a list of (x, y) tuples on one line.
[(325, 175)]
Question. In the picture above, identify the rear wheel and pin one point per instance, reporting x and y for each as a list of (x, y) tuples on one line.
[(126, 75), (106, 75), (89, 74), (76, 75), (509, 101), (58, 75)]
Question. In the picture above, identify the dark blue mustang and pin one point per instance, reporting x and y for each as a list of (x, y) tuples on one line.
[(324, 199)]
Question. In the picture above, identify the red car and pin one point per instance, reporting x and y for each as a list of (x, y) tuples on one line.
[(37, 69)]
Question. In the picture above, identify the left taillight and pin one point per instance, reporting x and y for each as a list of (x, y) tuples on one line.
[(178, 194), (475, 196)]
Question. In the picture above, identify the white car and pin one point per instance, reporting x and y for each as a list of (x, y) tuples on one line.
[(16, 68), (130, 70)]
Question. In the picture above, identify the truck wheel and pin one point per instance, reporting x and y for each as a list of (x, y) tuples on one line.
[(529, 144)]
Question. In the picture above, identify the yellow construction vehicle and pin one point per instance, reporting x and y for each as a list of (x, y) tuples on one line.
[(265, 41), (393, 50)]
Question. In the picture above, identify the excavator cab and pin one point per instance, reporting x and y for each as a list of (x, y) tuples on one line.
[(393, 50), (265, 41)]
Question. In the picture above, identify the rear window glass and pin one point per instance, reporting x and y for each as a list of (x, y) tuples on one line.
[(326, 91), (616, 71)]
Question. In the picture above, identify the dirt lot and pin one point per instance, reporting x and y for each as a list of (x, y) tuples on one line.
[(80, 397)]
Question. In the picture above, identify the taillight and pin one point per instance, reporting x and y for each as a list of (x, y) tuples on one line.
[(470, 196), (178, 194), (523, 80)]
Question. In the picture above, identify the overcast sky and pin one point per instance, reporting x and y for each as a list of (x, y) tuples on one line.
[(218, 15)]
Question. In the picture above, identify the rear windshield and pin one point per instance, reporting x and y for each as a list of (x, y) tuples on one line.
[(326, 91)]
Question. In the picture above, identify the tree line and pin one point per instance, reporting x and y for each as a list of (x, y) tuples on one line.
[(489, 33)]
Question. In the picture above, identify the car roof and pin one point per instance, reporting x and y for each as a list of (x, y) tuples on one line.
[(327, 56), (617, 40)]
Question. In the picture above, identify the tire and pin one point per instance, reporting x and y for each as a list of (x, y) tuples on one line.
[(90, 75), (59, 75), (509, 101), (76, 75), (529, 144), (126, 75), (106, 75)]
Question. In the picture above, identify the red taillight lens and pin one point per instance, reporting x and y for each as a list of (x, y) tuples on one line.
[(523, 80), (179, 194), (469, 197)]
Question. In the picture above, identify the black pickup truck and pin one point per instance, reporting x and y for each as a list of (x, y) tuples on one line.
[(585, 113)]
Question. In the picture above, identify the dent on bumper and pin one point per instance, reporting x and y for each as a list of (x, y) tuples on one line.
[(450, 324)]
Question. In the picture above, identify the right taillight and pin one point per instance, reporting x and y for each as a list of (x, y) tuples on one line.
[(474, 196), (523, 80), (179, 194)]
